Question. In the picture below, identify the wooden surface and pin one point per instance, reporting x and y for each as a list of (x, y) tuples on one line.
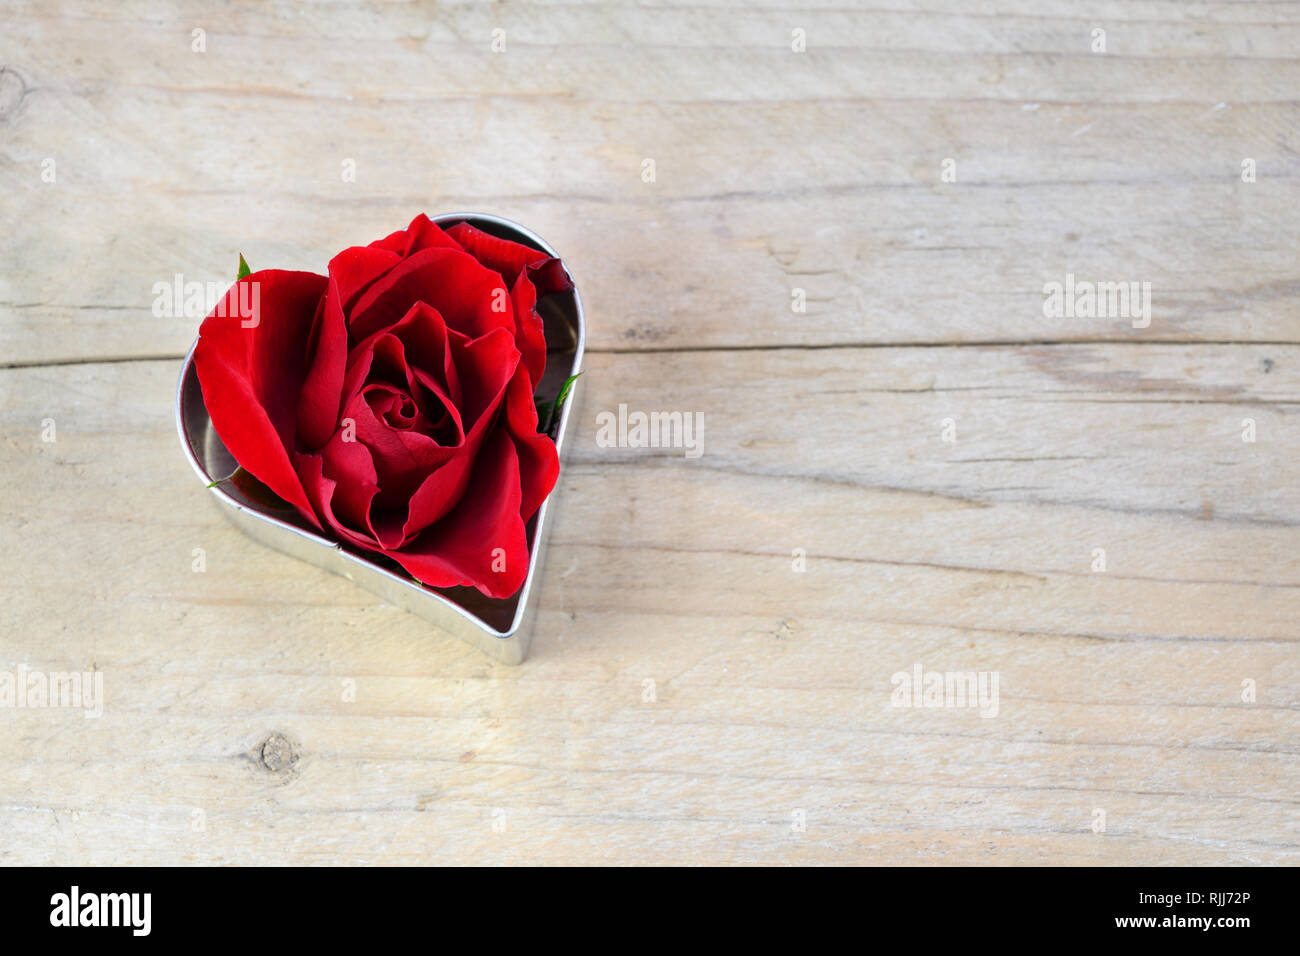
[(228, 735)]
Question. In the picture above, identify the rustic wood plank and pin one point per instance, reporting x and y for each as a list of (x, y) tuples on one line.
[(1120, 691), (776, 171)]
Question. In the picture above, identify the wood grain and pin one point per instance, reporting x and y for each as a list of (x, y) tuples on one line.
[(775, 170), (691, 696)]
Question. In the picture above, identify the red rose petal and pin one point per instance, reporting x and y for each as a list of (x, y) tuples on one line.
[(389, 363), (464, 293), (350, 464), (539, 463), (440, 491), (357, 268), (319, 489), (402, 459), (461, 549), (251, 377), (530, 333), (550, 276), (485, 366), (318, 404), (422, 233), (424, 336), (501, 255)]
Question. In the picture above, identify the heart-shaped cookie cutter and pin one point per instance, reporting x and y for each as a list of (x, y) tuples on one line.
[(502, 628)]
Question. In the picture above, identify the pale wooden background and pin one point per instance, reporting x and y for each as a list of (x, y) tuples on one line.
[(1120, 691)]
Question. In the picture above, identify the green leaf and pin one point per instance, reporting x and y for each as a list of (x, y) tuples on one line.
[(565, 389), (243, 267), (230, 477), (555, 406)]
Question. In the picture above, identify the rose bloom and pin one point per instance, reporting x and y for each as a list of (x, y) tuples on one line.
[(391, 401)]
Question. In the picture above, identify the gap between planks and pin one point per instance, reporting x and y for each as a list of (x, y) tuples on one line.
[(795, 347)]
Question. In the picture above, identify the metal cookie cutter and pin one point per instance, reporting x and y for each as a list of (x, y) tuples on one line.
[(502, 628)]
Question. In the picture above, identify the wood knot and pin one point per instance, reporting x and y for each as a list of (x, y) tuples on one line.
[(278, 753), (13, 90)]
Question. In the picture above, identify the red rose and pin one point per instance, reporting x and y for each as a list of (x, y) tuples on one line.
[(391, 402)]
